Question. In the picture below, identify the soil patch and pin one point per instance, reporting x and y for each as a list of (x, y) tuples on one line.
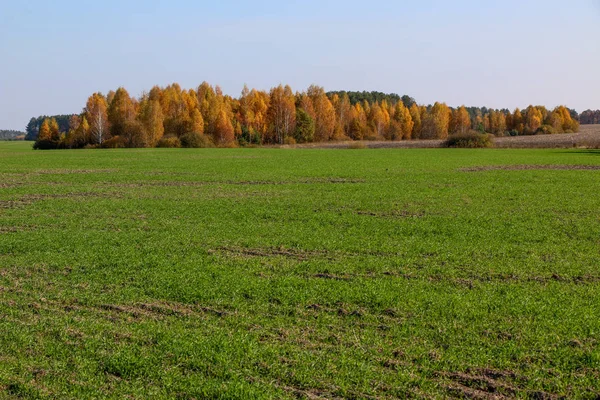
[(300, 255), (526, 167), (488, 384)]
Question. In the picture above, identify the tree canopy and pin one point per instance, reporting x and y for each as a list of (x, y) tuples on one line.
[(172, 117), (8, 134)]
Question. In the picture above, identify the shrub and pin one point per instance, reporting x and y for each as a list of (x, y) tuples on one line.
[(196, 140), (115, 142), (357, 145), (229, 145), (588, 144), (470, 140), (45, 145), (169, 142), (289, 140), (545, 130)]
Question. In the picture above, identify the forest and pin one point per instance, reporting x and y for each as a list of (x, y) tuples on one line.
[(589, 117), (33, 127), (11, 135), (205, 117)]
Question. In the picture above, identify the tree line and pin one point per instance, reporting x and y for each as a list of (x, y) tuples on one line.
[(9, 134), (33, 127), (589, 117), (174, 117)]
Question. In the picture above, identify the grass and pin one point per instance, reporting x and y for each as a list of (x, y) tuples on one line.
[(265, 273)]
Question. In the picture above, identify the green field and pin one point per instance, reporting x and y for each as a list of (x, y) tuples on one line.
[(292, 273)]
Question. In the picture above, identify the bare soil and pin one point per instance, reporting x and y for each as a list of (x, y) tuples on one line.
[(524, 167)]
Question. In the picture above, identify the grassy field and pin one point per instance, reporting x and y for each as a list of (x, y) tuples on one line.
[(272, 273)]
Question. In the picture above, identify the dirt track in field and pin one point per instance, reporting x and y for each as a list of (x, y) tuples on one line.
[(587, 137)]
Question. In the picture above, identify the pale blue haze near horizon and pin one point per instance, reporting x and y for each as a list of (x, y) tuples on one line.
[(500, 54)]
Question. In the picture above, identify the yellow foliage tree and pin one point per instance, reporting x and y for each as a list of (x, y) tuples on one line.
[(404, 119), (282, 113), (152, 119), (97, 116), (533, 120), (517, 121), (461, 121), (436, 122), (415, 115), (45, 133), (223, 134)]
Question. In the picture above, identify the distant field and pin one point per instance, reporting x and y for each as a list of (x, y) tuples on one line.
[(306, 273), (587, 137)]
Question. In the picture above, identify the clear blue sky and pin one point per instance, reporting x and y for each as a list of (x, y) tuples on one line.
[(498, 54)]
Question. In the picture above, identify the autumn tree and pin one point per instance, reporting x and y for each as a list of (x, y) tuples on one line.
[(517, 121), (44, 140), (79, 136), (134, 133), (152, 119), (45, 134), (436, 122), (110, 96), (343, 110), (49, 136), (223, 131), (568, 124), (196, 122), (281, 113), (533, 120), (96, 113), (54, 130), (120, 110), (509, 121), (415, 115), (173, 108), (497, 123), (477, 122), (379, 120), (555, 120), (358, 122), (74, 122), (461, 121), (253, 110), (324, 114), (70, 138), (403, 117)]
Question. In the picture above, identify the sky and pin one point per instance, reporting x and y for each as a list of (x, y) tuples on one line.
[(499, 54)]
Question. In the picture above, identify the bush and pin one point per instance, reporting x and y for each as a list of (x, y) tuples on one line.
[(357, 145), (196, 140), (545, 130), (169, 142), (229, 145), (289, 140), (45, 145), (115, 142), (470, 140)]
